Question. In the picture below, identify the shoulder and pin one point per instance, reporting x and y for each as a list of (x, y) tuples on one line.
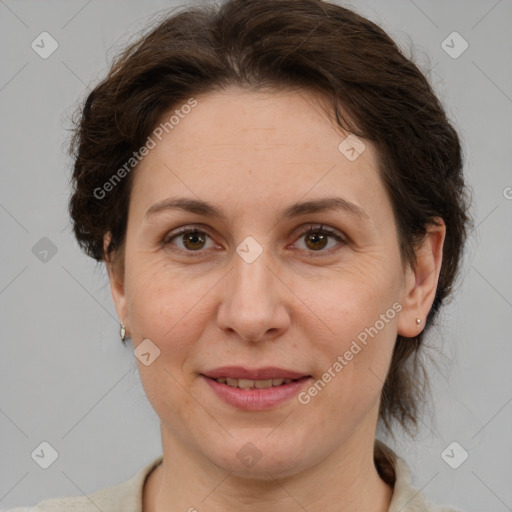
[(406, 498), (118, 498)]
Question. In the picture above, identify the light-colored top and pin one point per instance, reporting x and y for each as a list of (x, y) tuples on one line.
[(127, 496)]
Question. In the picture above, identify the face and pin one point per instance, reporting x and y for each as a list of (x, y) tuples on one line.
[(261, 286)]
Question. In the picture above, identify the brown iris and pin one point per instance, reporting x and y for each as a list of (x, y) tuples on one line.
[(315, 239), (196, 239)]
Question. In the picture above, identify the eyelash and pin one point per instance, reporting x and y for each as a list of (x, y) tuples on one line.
[(311, 228)]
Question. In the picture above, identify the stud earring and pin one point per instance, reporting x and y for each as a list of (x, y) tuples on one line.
[(418, 321), (122, 331)]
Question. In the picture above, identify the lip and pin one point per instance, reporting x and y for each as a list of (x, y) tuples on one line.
[(256, 399), (239, 372)]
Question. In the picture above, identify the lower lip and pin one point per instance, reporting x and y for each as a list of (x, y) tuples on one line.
[(256, 399)]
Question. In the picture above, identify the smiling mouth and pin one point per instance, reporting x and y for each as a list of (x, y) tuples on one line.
[(255, 384)]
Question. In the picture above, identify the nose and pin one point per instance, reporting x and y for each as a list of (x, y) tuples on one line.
[(253, 304)]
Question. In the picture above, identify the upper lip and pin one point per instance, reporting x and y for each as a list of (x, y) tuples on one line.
[(239, 372)]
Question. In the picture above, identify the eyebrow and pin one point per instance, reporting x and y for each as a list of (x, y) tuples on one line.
[(295, 210)]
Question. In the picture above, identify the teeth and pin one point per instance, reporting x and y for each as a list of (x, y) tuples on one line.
[(262, 384), (250, 384), (245, 383)]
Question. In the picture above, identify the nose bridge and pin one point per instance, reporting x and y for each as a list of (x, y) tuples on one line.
[(252, 301), (252, 278)]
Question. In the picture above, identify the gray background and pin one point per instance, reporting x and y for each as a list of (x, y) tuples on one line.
[(65, 376)]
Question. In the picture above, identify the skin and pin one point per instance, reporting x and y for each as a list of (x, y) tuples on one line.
[(253, 154)]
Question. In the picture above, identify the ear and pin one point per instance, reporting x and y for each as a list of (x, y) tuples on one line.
[(116, 278), (421, 281)]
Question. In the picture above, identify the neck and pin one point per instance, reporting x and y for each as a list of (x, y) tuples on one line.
[(345, 481)]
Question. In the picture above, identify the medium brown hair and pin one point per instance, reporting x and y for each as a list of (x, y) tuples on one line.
[(375, 92)]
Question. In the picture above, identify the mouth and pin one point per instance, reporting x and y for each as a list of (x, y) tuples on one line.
[(255, 389), (255, 384), (261, 378)]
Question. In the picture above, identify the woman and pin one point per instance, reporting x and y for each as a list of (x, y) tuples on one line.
[(279, 200)]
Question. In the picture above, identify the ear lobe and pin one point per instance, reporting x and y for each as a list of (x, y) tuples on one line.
[(116, 280), (421, 282)]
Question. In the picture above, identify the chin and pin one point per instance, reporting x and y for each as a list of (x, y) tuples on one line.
[(257, 457)]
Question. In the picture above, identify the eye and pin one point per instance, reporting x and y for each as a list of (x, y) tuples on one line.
[(316, 238), (192, 240)]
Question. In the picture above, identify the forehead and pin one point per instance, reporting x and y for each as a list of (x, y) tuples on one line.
[(256, 148), (255, 120)]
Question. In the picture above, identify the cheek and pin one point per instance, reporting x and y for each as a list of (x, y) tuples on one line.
[(351, 300), (353, 336), (159, 301), (166, 308)]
